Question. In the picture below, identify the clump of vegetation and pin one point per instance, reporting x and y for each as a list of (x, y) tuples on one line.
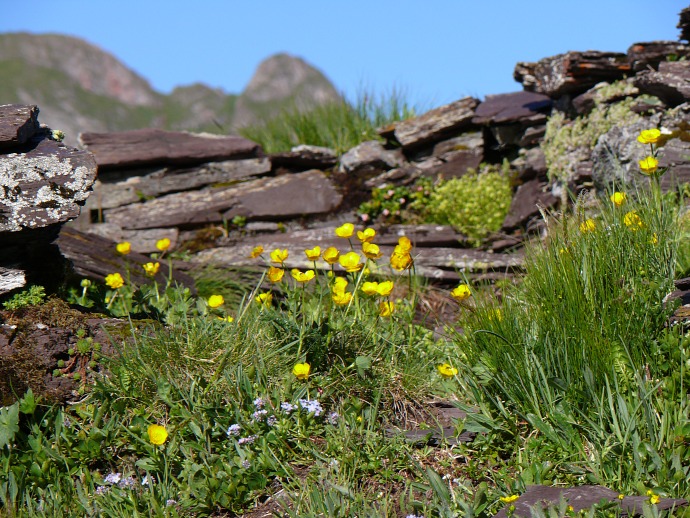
[(474, 204), (391, 204), (32, 296), (338, 125)]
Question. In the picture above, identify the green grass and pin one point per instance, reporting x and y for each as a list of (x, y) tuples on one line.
[(571, 377), (338, 125)]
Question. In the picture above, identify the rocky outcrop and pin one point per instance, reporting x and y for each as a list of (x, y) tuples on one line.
[(43, 184)]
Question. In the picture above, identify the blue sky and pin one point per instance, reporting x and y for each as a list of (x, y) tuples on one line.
[(435, 51)]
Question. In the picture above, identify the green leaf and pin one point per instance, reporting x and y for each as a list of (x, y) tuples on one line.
[(9, 424), (27, 404), (363, 364)]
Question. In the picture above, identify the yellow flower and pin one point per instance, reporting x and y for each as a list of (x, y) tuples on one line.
[(124, 248), (302, 276), (633, 221), (621, 496), (649, 165), (226, 319), (163, 244), (331, 255), (279, 256), (588, 226), (275, 274), (386, 308), (339, 284), (650, 136), (447, 371), (654, 240), (301, 371), (371, 250), (496, 315), (618, 198), (341, 298), (370, 288), (215, 301), (151, 269), (256, 252), (366, 235), (509, 499), (461, 292), (350, 261), (114, 281), (385, 288), (654, 499), (157, 434), (314, 253), (265, 299), (400, 260), (345, 230)]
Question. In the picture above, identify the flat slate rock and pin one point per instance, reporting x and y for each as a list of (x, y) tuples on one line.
[(301, 158), (526, 204), (528, 108), (18, 123), (157, 147), (435, 125), (671, 83), (283, 197), (44, 186), (651, 54), (572, 72), (581, 498), (93, 257)]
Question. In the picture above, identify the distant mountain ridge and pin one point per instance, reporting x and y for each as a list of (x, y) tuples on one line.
[(80, 87)]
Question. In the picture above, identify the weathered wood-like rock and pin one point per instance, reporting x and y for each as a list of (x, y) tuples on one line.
[(43, 186), (572, 72), (581, 498), (301, 158), (93, 257), (671, 83), (142, 241), (11, 279), (645, 55), (453, 157), (531, 163), (134, 189), (684, 24), (282, 197), (18, 123), (527, 108), (370, 156), (156, 147), (435, 125), (527, 201)]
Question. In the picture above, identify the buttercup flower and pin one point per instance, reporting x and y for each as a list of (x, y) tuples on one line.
[(350, 261), (151, 269), (461, 292), (618, 198), (384, 288), (588, 226), (386, 308), (114, 281), (256, 252), (649, 165), (163, 244), (331, 255), (446, 370), (302, 276), (650, 136), (370, 288), (215, 301), (123, 248), (301, 371), (226, 319), (509, 499), (279, 256), (404, 244), (633, 221), (157, 434), (400, 260), (366, 235), (654, 499), (371, 250), (341, 298), (345, 230), (313, 254), (275, 274), (339, 284), (265, 299)]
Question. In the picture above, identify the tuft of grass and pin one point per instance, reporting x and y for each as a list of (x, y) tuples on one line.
[(338, 125)]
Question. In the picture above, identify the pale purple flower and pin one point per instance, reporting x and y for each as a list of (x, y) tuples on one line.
[(233, 429), (287, 407), (246, 464), (127, 482), (271, 420), (332, 418), (247, 440), (259, 415), (312, 406), (259, 403), (112, 478)]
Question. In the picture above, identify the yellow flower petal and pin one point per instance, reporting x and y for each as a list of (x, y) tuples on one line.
[(301, 371), (157, 434), (345, 230), (163, 244), (123, 248), (461, 292), (114, 281), (215, 301), (650, 136), (313, 254)]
